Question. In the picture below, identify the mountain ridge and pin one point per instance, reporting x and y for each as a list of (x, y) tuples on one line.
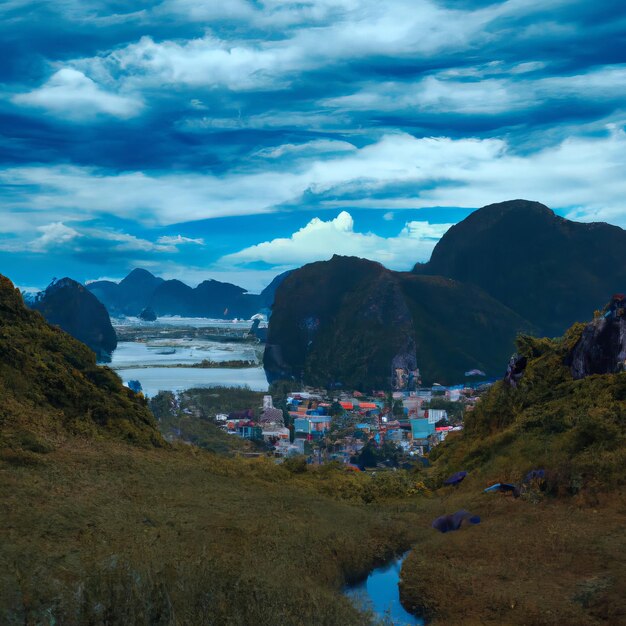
[(211, 298), (354, 323), (551, 270), (508, 267)]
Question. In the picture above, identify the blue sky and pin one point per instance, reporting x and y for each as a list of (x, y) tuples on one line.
[(239, 138)]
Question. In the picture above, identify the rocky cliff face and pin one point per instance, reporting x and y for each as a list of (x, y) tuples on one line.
[(78, 312), (602, 346)]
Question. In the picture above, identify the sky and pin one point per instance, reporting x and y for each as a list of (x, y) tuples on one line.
[(236, 139)]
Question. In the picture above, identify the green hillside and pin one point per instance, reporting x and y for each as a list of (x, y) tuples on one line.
[(554, 555), (51, 386), (575, 429)]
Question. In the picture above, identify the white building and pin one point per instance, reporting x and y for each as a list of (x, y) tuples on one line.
[(436, 415)]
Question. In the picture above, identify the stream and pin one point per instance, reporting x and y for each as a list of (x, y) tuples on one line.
[(380, 594)]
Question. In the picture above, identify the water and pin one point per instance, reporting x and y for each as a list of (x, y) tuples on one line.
[(155, 379), (154, 360), (175, 320), (380, 593), (177, 352)]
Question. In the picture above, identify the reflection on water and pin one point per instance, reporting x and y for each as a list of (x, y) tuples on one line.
[(380, 593)]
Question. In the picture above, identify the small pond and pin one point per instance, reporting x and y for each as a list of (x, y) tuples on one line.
[(380, 593)]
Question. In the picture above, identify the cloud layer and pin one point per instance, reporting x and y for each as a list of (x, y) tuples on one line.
[(165, 133)]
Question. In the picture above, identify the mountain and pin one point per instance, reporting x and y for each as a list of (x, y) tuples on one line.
[(353, 323), (211, 298), (51, 386), (78, 312), (548, 269), (128, 297), (172, 297), (269, 293)]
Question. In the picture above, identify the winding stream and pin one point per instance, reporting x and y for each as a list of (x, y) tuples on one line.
[(380, 593)]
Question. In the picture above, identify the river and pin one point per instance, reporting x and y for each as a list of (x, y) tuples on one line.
[(380, 594)]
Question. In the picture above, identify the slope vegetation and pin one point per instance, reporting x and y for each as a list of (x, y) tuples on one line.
[(554, 555), (52, 388)]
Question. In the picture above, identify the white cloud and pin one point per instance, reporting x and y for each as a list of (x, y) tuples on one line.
[(177, 240), (322, 33), (53, 235), (482, 90), (318, 146), (58, 235), (320, 239), (388, 217), (398, 171), (69, 93)]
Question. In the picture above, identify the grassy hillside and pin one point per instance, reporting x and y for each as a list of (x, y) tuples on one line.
[(576, 429), (554, 555), (102, 523), (112, 534), (52, 388)]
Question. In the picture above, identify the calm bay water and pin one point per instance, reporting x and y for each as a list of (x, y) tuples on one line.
[(156, 363), (177, 352), (155, 379)]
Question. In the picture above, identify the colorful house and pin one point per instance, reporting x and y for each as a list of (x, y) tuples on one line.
[(313, 426), (421, 429)]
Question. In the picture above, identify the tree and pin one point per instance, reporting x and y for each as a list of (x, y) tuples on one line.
[(368, 456), (336, 409)]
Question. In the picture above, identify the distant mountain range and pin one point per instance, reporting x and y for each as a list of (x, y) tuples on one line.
[(77, 311), (509, 267), (211, 298)]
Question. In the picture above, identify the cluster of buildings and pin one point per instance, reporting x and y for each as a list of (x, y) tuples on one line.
[(344, 424)]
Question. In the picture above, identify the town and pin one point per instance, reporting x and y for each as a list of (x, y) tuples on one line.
[(385, 429)]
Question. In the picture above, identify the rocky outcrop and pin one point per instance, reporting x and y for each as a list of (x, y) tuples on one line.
[(602, 346), (77, 311)]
